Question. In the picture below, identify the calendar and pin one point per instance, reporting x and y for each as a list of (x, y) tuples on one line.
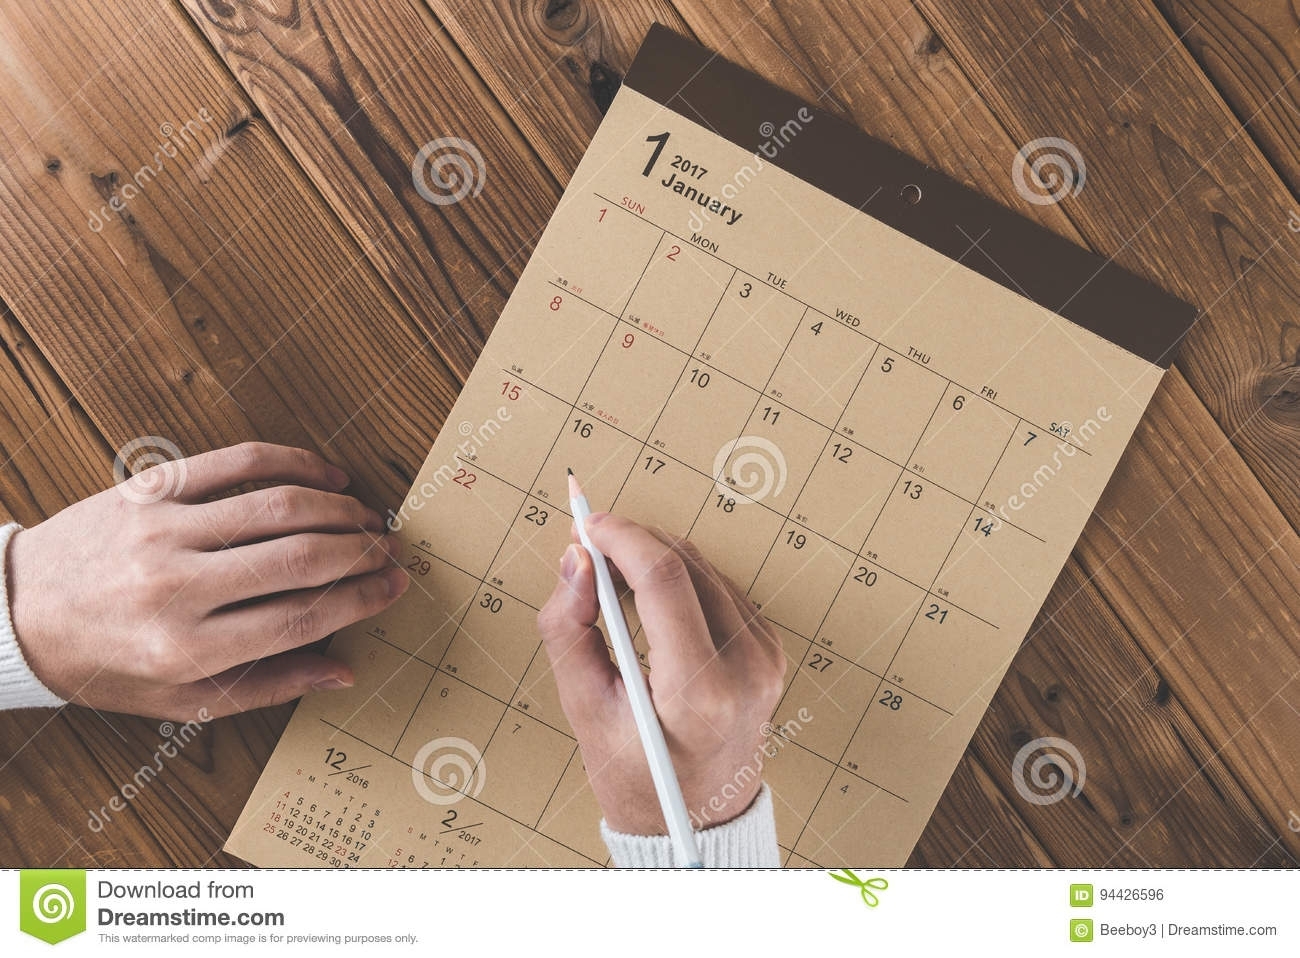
[(880, 403)]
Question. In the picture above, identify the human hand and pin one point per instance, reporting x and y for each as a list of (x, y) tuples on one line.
[(148, 599), (716, 674)]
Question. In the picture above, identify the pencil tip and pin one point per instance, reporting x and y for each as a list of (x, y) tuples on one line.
[(570, 471)]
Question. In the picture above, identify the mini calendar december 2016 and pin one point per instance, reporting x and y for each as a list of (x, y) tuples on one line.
[(879, 403)]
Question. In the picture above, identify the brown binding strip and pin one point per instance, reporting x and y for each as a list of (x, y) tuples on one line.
[(950, 218)]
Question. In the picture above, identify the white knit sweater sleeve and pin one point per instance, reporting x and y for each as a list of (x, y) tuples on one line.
[(19, 686), (748, 841)]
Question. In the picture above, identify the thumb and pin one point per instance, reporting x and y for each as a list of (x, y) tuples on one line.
[(265, 682), (584, 674)]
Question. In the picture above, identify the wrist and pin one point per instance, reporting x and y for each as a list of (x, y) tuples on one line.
[(745, 841), (707, 806), (21, 685)]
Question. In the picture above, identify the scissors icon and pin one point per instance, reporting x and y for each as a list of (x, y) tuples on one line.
[(865, 887)]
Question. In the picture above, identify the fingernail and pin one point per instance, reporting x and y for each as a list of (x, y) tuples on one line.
[(396, 580), (331, 684), (569, 562), (596, 518), (335, 476)]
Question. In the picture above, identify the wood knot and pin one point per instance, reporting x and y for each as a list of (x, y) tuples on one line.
[(187, 377), (1162, 693), (105, 185), (239, 127), (603, 82), (1020, 738), (1126, 819), (561, 14), (53, 165), (930, 45), (1052, 694), (1278, 395)]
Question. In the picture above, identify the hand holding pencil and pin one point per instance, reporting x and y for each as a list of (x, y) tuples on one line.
[(716, 672)]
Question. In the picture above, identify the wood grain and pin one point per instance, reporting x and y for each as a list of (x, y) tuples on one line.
[(555, 66), (51, 455), (355, 92), (225, 302), (1251, 52)]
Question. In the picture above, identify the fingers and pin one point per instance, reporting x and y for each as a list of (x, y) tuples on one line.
[(272, 626), (262, 683), (759, 627), (278, 511), (665, 595), (301, 561), (584, 675), (210, 473), (726, 625)]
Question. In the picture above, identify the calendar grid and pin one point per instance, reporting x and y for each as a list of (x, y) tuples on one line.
[(872, 700), (573, 407), (752, 502), (764, 396), (662, 452), (497, 811), (900, 353), (787, 516)]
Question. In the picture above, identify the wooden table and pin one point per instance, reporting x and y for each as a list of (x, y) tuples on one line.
[(276, 275)]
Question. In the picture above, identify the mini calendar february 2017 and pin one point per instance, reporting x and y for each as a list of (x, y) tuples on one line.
[(881, 404)]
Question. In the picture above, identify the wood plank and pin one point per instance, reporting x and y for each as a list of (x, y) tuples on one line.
[(555, 66), (1213, 206), (1251, 52), (1153, 794), (355, 92), (227, 303), (974, 826), (863, 67), (51, 455), (1220, 617), (62, 769)]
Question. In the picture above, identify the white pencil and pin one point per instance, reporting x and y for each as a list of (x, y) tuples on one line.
[(647, 722)]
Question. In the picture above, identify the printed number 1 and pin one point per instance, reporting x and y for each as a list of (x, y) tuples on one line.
[(659, 140)]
